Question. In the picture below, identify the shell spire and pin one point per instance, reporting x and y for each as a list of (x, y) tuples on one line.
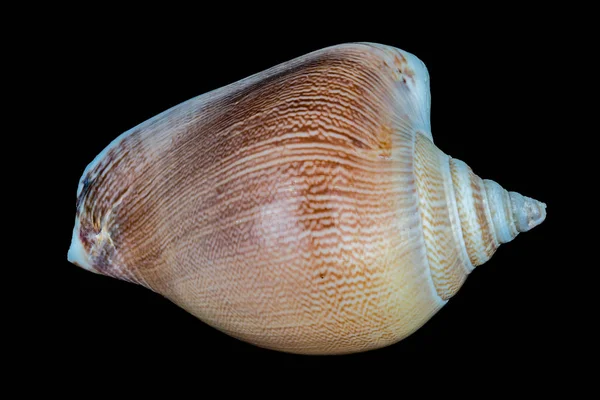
[(476, 217), (489, 214), (512, 212)]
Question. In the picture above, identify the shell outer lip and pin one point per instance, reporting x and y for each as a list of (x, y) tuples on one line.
[(77, 253)]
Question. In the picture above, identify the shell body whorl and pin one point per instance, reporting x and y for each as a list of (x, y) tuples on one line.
[(303, 209)]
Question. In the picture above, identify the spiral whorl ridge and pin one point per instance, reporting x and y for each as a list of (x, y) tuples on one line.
[(490, 215), (512, 212)]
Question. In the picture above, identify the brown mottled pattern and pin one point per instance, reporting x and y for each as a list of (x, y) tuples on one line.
[(281, 210), (104, 189), (475, 221), (443, 249), (484, 220)]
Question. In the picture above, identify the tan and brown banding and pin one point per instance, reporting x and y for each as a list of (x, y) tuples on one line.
[(273, 212), (303, 209)]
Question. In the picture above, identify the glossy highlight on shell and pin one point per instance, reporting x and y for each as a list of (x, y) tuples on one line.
[(303, 209)]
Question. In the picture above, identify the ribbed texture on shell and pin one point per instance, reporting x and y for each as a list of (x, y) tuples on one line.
[(281, 209), (475, 218), (446, 256), (303, 209)]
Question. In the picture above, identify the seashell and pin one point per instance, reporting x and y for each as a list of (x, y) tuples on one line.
[(304, 209)]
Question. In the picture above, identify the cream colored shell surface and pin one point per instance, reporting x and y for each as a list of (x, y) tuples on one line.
[(291, 209)]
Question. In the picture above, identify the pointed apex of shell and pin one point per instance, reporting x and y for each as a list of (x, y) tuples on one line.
[(527, 212), (512, 212)]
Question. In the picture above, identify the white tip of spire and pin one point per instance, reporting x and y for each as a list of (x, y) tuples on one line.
[(527, 212), (512, 212)]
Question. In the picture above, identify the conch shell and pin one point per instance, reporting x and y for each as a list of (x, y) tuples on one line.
[(304, 209)]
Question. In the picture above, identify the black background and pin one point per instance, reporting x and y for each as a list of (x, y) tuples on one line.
[(494, 106)]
